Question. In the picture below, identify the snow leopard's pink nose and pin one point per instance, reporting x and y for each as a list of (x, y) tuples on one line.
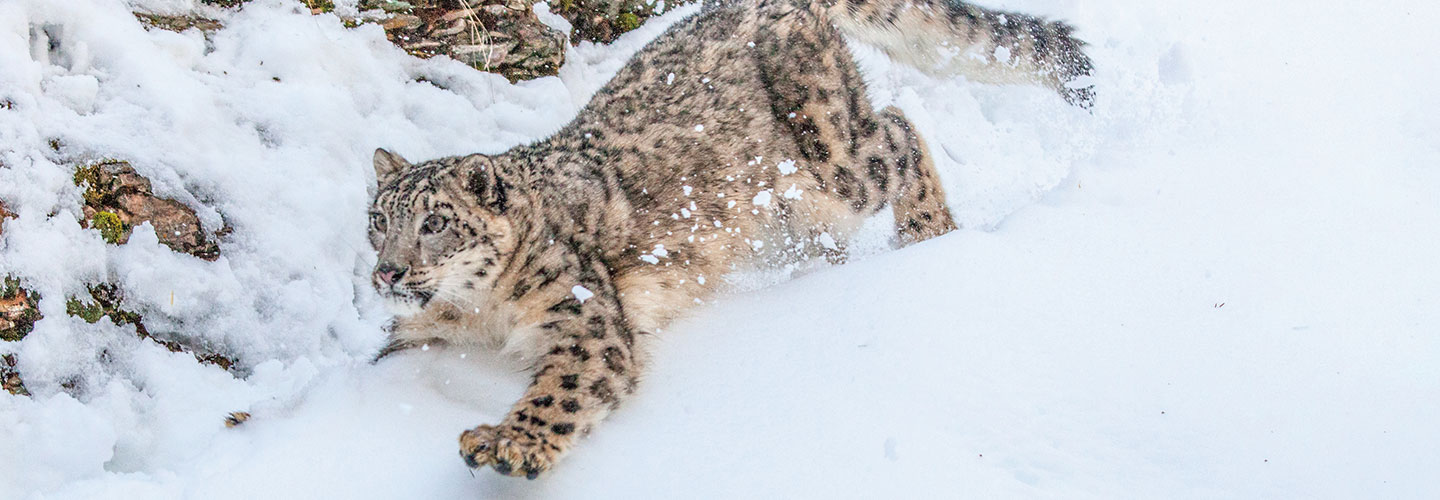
[(388, 274)]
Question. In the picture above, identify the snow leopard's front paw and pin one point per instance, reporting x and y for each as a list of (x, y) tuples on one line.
[(511, 452)]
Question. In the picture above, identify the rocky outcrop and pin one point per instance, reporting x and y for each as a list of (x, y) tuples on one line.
[(603, 21), (19, 310), (106, 301), (178, 23), (117, 199), (499, 36)]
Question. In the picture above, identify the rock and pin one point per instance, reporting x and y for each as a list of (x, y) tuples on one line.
[(19, 310), (499, 36), (319, 6), (178, 23), (117, 199), (603, 21), (184, 22), (5, 213), (402, 22), (10, 377), (106, 301)]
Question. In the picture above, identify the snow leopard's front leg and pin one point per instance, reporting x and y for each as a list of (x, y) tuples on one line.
[(588, 368)]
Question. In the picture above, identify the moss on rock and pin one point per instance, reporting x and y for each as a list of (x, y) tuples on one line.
[(320, 6), (110, 227), (627, 21)]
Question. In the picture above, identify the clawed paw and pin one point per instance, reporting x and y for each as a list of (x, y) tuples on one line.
[(510, 452)]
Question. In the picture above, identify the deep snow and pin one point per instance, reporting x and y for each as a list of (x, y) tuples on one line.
[(1220, 284)]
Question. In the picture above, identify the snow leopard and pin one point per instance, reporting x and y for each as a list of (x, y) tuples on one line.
[(742, 137)]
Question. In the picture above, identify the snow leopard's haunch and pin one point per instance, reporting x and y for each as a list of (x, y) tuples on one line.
[(741, 137)]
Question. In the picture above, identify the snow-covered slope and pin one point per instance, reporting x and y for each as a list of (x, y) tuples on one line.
[(1220, 284)]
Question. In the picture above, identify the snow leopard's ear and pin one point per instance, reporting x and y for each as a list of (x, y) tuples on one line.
[(484, 181), (388, 165)]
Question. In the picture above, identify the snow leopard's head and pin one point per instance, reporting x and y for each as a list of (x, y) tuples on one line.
[(439, 228)]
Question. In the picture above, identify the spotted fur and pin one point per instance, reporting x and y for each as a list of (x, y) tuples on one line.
[(741, 137), (947, 37)]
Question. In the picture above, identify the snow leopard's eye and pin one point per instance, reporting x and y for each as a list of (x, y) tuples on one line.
[(433, 224), (377, 222)]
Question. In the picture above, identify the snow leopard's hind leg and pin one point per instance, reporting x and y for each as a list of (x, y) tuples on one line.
[(917, 199), (852, 160)]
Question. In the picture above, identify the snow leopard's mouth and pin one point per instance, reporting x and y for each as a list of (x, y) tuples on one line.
[(405, 305), (423, 296), (403, 300)]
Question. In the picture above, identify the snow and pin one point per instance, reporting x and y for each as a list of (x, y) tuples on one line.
[(1219, 284), (787, 167), (761, 199), (793, 192), (581, 293)]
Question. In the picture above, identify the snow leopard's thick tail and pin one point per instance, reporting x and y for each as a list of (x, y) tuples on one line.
[(950, 37)]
